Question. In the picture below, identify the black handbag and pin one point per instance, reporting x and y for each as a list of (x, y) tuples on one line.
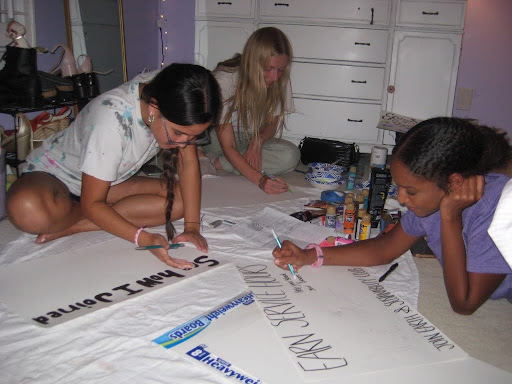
[(313, 150)]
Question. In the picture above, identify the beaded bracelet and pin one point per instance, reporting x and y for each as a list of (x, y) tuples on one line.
[(136, 239)]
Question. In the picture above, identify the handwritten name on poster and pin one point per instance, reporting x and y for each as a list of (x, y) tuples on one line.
[(120, 292)]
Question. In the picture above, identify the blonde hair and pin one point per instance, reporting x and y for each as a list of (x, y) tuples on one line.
[(255, 103)]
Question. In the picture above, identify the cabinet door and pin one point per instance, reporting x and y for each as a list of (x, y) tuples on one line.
[(424, 73), (218, 41), (350, 122), (370, 12)]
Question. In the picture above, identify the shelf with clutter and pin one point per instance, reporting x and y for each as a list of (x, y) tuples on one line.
[(25, 89)]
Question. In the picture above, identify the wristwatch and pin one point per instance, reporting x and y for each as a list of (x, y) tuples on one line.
[(319, 255)]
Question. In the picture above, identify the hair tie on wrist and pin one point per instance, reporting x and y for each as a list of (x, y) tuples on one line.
[(319, 255), (260, 186), (136, 239)]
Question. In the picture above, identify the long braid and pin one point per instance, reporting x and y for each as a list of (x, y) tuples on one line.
[(169, 177)]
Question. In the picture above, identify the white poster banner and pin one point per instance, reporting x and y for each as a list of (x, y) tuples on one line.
[(57, 288), (328, 324)]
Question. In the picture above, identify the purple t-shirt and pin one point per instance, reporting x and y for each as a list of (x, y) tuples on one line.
[(482, 255)]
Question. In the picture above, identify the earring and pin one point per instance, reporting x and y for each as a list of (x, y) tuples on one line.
[(151, 118)]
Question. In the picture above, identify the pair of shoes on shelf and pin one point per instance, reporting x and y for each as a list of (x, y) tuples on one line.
[(46, 124), (19, 141), (81, 79), (28, 135)]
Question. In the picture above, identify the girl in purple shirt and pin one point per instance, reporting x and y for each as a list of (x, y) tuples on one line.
[(442, 168)]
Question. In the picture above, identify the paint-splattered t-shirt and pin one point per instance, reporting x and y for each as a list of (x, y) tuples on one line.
[(108, 140)]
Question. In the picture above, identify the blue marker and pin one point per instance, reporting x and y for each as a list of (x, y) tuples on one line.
[(290, 267), (171, 246)]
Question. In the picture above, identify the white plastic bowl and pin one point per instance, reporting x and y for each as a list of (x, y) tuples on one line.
[(325, 180), (326, 167)]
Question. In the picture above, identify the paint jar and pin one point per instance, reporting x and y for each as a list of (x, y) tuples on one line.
[(350, 218), (339, 217), (378, 157), (360, 214), (330, 216), (366, 193), (351, 180), (365, 227)]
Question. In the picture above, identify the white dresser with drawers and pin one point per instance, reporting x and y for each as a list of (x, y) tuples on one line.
[(352, 58)]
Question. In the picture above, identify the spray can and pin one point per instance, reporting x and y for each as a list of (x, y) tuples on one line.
[(330, 216), (351, 181), (365, 227), (379, 186), (350, 218)]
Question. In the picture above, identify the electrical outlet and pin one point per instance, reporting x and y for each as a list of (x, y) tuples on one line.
[(159, 23), (464, 99)]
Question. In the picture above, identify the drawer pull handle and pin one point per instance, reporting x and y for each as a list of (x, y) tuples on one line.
[(281, 5), (359, 81), (373, 11), (355, 121), (430, 13), (356, 43), (224, 3)]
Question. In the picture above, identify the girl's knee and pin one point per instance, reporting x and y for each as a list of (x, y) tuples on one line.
[(28, 211)]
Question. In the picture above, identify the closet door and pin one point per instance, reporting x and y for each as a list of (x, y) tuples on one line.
[(423, 73)]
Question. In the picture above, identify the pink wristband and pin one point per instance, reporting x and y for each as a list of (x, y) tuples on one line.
[(136, 239), (319, 255)]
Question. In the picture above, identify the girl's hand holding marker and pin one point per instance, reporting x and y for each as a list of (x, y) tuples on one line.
[(273, 185)]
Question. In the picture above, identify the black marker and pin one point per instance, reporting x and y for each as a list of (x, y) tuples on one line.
[(391, 269)]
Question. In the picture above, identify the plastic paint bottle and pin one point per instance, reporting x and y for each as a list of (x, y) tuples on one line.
[(340, 209), (360, 214), (330, 216), (365, 227), (359, 202), (350, 218), (366, 193), (351, 181)]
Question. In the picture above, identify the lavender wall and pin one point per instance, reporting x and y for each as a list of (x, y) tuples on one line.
[(178, 21), (486, 62), (140, 33)]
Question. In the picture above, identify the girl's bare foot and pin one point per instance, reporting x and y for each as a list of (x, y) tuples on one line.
[(83, 225)]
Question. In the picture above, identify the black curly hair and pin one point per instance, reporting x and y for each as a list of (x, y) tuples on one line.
[(438, 147)]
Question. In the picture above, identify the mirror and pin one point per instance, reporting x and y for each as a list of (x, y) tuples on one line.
[(95, 28)]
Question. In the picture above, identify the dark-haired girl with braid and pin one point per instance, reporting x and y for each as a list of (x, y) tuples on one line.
[(83, 178), (449, 176)]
